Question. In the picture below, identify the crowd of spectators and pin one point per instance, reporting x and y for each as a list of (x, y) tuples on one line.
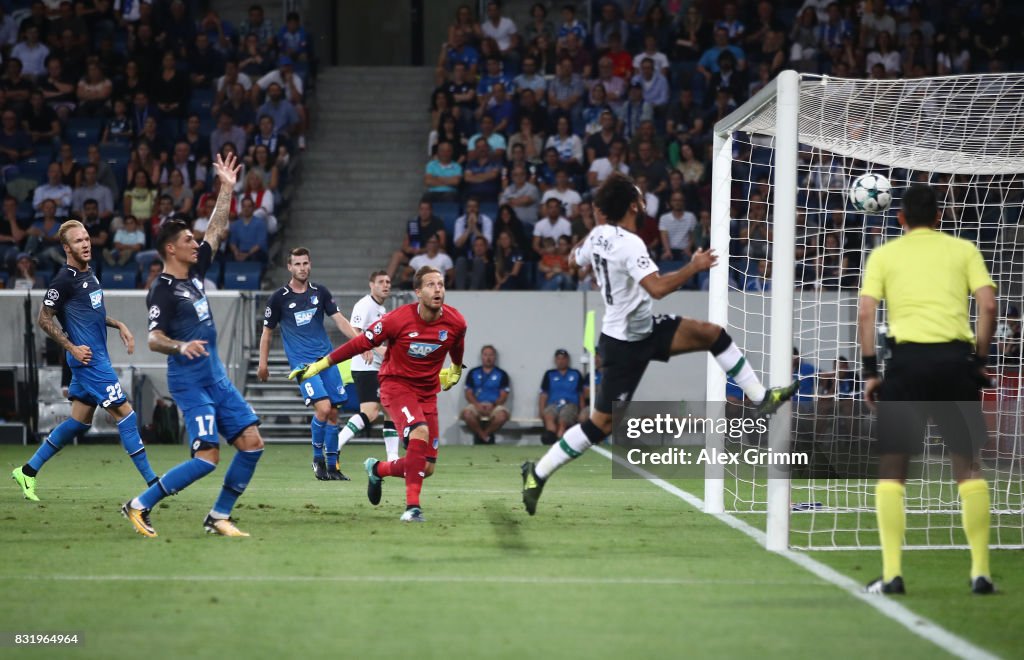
[(111, 112), (528, 119)]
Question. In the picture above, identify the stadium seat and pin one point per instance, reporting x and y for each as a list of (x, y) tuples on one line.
[(214, 272), (490, 209), (33, 168), (447, 210), (83, 131), (119, 277), (244, 276), (201, 102), (115, 153)]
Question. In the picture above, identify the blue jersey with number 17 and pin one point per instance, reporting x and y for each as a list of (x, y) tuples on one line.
[(301, 318), (179, 308)]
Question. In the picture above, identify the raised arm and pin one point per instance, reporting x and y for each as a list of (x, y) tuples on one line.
[(227, 172)]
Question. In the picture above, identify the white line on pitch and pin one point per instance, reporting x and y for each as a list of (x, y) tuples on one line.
[(910, 620), (445, 579)]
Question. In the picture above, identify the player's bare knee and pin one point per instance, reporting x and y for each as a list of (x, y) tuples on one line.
[(332, 416), (250, 440), (206, 451)]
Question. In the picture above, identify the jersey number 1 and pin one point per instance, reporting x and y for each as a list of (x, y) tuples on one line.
[(602, 265)]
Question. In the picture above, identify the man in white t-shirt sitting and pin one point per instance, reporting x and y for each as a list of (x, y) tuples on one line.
[(552, 225), (432, 256), (676, 229), (564, 193), (500, 28), (602, 167)]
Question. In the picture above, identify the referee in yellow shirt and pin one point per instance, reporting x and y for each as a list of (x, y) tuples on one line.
[(926, 278)]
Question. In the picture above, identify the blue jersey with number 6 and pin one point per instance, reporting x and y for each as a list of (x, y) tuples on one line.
[(301, 318)]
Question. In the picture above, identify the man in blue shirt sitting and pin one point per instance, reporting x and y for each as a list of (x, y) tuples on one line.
[(561, 398), (487, 389)]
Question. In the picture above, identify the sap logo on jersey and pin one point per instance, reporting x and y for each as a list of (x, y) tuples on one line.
[(202, 307), (418, 350), (96, 298), (304, 316)]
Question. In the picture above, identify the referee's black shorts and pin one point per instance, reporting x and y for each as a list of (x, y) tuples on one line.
[(624, 362), (931, 381), (367, 386)]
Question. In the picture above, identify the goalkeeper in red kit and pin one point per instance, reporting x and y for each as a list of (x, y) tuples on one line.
[(419, 336)]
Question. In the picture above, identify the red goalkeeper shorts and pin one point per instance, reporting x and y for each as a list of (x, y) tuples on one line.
[(409, 409)]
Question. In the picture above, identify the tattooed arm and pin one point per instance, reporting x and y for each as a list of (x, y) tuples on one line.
[(227, 173), (48, 323)]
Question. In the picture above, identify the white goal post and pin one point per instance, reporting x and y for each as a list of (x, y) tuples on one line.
[(782, 165)]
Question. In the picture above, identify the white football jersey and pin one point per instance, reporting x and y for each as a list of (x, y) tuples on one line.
[(365, 313), (620, 260)]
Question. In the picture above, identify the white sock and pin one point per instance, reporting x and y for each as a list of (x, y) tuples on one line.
[(391, 443), (218, 516), (354, 425), (569, 448), (734, 364), (136, 504)]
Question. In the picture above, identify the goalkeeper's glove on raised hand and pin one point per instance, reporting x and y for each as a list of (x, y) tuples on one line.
[(450, 375), (304, 371)]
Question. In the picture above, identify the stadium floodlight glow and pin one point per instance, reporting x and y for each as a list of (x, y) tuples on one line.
[(783, 166)]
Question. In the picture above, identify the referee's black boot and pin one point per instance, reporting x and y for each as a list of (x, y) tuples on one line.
[(880, 586), (981, 585)]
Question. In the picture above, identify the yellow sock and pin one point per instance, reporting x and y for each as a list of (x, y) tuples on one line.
[(974, 503), (892, 523)]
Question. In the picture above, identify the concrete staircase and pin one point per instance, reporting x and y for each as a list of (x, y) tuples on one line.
[(362, 174)]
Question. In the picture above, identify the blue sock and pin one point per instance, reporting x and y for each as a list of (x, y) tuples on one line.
[(132, 443), (60, 436), (235, 480), (178, 478), (318, 428), (331, 446)]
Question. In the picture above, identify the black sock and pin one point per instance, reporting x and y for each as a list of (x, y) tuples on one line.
[(28, 470)]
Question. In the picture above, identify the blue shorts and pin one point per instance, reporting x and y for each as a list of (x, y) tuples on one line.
[(214, 409), (96, 386), (325, 385)]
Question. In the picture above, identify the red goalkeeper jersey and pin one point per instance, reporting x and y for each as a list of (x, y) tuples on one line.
[(416, 349)]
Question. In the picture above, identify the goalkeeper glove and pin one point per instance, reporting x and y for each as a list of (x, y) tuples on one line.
[(450, 375), (304, 371)]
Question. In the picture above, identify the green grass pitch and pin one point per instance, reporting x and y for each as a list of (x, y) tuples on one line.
[(607, 569)]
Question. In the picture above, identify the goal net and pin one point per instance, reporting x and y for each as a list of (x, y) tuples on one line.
[(784, 162)]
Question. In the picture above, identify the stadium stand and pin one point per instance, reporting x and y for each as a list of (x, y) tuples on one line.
[(705, 60), (140, 93)]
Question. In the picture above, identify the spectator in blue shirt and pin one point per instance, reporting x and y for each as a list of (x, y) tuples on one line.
[(708, 63), (495, 141), (487, 390), (483, 173), (293, 40), (654, 84), (561, 398), (570, 25), (278, 108), (247, 236), (493, 76), (501, 110), (455, 52), (443, 175)]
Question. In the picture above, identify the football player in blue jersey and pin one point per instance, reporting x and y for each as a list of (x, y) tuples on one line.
[(299, 308), (74, 316), (181, 326)]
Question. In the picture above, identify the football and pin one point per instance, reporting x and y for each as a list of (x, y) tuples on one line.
[(871, 193)]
